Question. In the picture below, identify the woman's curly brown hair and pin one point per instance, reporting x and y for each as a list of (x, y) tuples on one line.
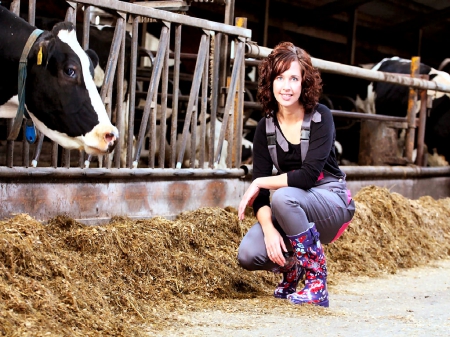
[(278, 61)]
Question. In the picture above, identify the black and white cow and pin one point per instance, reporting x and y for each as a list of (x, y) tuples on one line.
[(60, 94), (390, 99)]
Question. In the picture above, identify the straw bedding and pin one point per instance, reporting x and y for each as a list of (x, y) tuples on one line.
[(62, 278)]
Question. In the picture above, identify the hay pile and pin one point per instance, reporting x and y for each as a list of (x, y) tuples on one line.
[(67, 279)]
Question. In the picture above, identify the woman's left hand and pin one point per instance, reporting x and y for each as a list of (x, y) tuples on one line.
[(248, 198)]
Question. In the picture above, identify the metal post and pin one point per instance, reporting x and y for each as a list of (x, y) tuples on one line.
[(421, 130), (411, 116)]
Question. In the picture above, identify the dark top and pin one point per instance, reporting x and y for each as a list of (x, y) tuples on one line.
[(320, 156)]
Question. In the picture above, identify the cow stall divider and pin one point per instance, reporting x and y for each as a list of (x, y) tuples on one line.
[(169, 183)]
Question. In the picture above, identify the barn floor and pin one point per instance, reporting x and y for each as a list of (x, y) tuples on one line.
[(402, 305), (157, 276)]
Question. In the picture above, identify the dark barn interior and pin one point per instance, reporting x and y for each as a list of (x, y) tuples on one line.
[(351, 32)]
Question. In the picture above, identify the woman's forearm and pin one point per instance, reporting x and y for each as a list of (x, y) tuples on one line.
[(272, 182), (264, 217)]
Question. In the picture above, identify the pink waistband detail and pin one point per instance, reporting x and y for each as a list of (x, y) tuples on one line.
[(320, 176)]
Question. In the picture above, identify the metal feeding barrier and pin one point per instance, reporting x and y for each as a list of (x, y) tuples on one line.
[(170, 152)]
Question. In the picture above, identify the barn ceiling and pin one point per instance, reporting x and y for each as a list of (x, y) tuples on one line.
[(326, 28)]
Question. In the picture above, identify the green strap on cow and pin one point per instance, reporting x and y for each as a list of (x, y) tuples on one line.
[(21, 87)]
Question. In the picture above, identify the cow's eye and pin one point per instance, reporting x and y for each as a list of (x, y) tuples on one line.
[(70, 72)]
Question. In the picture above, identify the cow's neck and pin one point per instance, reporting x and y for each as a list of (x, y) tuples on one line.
[(15, 32)]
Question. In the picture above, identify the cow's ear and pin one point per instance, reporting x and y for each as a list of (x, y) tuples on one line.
[(93, 56), (62, 26)]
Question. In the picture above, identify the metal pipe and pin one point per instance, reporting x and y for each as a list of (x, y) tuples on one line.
[(163, 15), (112, 58), (163, 126), (253, 50), (239, 56), (352, 172), (175, 95), (120, 113), (411, 114), (193, 97), (421, 129), (214, 95), (152, 88), (132, 86), (59, 172)]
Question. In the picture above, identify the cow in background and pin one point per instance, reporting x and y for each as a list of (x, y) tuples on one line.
[(60, 95), (392, 100)]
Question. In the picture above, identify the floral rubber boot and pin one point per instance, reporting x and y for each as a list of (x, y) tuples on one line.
[(311, 257), (292, 274)]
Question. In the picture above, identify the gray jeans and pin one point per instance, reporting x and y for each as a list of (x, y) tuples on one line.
[(293, 209)]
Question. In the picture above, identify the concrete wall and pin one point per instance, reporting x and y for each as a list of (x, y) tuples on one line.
[(96, 195)]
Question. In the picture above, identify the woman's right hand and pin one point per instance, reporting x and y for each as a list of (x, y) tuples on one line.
[(274, 245)]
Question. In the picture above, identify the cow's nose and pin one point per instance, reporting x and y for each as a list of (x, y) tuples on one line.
[(111, 137)]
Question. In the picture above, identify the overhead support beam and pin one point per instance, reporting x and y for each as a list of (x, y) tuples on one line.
[(351, 41)]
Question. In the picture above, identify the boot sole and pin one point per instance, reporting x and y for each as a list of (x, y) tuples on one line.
[(325, 303)]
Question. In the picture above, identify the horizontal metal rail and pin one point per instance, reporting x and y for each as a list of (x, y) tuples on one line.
[(255, 51), (153, 13), (54, 172), (352, 172)]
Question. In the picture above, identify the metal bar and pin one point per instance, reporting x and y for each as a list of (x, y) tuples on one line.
[(193, 134), (54, 155), (266, 23), (86, 25), (9, 145), (203, 109), (193, 97), (163, 118), (32, 12), (421, 128), (239, 117), (25, 147), (411, 115), (19, 172), (66, 158), (71, 14), (175, 95), (163, 15), (214, 96), (351, 41), (352, 172), (132, 86), (15, 7), (256, 51), (230, 97), (112, 58), (152, 127), (156, 75), (120, 111), (365, 116)]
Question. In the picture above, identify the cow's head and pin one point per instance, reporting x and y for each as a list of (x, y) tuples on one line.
[(61, 96)]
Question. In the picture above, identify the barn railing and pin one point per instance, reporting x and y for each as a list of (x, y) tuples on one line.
[(209, 93), (214, 76), (410, 122), (94, 190)]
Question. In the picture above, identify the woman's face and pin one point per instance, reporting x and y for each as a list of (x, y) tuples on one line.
[(287, 86)]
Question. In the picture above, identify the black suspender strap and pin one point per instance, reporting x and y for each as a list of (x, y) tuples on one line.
[(304, 135), (274, 136), (272, 141)]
